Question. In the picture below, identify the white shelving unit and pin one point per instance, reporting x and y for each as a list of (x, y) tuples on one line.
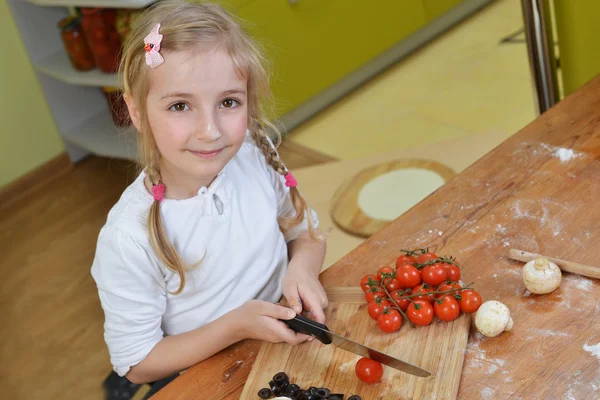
[(93, 3), (59, 66), (75, 98)]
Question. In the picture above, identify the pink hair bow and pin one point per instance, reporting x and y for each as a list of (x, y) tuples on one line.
[(290, 181), (152, 47)]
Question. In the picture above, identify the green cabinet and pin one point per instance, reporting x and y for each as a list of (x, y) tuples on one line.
[(311, 44), (435, 8)]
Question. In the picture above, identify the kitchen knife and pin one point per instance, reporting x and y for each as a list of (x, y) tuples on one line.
[(307, 326)]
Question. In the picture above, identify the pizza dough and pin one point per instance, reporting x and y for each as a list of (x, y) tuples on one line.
[(390, 195)]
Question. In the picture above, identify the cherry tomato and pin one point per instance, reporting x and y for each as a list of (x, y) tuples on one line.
[(408, 276), (405, 260), (421, 317), (364, 282), (397, 296), (374, 294), (375, 308), (448, 286), (390, 320), (434, 274), (446, 308), (470, 302), (368, 371), (423, 289), (453, 272), (386, 270), (423, 258), (392, 285)]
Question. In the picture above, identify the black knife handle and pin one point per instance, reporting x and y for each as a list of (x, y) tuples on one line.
[(307, 326)]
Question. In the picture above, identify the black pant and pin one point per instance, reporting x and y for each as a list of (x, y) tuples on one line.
[(120, 388)]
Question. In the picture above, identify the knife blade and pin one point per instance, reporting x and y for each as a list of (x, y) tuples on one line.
[(307, 326)]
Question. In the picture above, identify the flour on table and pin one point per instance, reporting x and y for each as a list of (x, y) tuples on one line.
[(487, 393), (565, 155), (594, 349)]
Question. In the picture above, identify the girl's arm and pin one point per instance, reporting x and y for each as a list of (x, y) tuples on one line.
[(301, 286), (255, 319)]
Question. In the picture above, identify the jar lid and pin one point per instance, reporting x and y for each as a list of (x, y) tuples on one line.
[(89, 11)]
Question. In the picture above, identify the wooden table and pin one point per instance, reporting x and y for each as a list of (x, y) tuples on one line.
[(538, 191)]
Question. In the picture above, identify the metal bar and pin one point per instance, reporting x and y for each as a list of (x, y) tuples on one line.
[(540, 55)]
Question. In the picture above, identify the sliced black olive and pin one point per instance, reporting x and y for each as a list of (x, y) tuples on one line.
[(336, 396), (281, 389), (324, 392), (281, 377), (265, 393), (272, 385), (292, 389), (355, 397), (312, 390)]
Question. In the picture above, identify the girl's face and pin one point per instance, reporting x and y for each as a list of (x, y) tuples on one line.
[(197, 110)]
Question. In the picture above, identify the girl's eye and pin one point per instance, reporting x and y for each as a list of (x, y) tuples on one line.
[(230, 103), (179, 107)]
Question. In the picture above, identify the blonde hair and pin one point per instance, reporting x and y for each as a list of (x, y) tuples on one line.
[(192, 26)]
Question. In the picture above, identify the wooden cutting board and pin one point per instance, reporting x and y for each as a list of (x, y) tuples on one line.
[(438, 348)]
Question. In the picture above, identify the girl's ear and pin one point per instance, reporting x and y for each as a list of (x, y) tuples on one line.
[(134, 111)]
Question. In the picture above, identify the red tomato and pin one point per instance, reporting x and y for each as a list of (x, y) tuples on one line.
[(453, 272), (408, 276), (389, 321), (448, 286), (368, 371), (470, 302), (423, 289), (405, 260), (375, 308), (374, 294), (397, 296), (386, 270), (392, 285), (421, 317), (364, 282), (423, 258), (447, 308), (434, 274)]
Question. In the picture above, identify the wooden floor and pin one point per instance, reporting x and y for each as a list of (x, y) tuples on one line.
[(51, 335)]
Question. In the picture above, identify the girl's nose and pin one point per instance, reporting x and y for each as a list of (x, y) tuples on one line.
[(207, 129)]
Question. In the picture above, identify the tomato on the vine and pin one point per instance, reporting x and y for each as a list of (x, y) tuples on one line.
[(375, 308), (421, 317), (389, 320), (434, 274), (453, 272), (448, 286), (368, 371), (423, 289), (364, 282), (385, 270), (392, 285), (423, 258), (446, 308), (396, 295), (374, 294), (408, 276), (470, 301), (405, 260)]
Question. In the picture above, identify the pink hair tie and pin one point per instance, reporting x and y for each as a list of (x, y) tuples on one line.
[(158, 191), (290, 181)]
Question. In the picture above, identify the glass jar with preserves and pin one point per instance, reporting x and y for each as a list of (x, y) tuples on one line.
[(75, 43), (102, 37), (116, 105)]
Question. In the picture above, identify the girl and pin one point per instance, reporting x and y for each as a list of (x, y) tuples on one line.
[(210, 235)]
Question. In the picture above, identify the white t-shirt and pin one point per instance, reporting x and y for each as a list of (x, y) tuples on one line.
[(233, 222)]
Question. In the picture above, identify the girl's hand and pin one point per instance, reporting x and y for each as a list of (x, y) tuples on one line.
[(257, 319), (304, 292)]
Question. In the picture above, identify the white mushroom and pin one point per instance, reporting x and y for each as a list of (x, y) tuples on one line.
[(493, 318), (541, 276)]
